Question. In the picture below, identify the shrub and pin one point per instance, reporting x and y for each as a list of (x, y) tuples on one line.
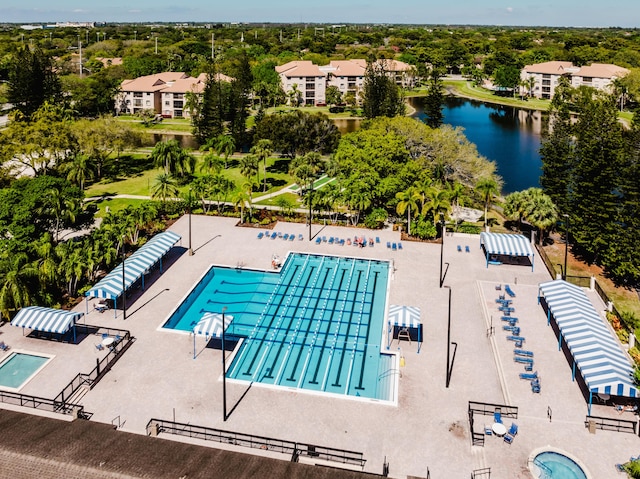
[(375, 220), (424, 229), (469, 228)]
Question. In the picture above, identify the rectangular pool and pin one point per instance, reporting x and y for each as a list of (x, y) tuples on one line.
[(18, 368), (315, 325)]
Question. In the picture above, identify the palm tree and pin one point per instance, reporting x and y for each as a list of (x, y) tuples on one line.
[(47, 264), (164, 187), (487, 188), (61, 207), (263, 149), (515, 206), (294, 95), (241, 199), (80, 169), (72, 263), (407, 201), (437, 201), (173, 158), (221, 186), (249, 166), (541, 211), (212, 163), (225, 145), (456, 192), (18, 276)]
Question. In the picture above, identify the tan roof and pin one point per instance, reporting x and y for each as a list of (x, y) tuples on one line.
[(551, 68), (602, 70), (182, 85), (389, 65), (151, 83), (300, 68), (346, 68)]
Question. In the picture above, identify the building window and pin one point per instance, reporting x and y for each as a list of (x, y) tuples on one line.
[(178, 96), (586, 79), (177, 113), (167, 103), (546, 89), (137, 94), (351, 79), (546, 75), (546, 82), (178, 104), (310, 94), (352, 86), (310, 86)]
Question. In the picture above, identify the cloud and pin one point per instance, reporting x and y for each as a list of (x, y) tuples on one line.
[(509, 9)]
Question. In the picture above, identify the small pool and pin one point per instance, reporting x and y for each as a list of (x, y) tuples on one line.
[(556, 465), (18, 368)]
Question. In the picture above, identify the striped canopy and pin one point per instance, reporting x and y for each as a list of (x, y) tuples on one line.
[(211, 325), (138, 264), (506, 244), (596, 352), (404, 316), (46, 319)]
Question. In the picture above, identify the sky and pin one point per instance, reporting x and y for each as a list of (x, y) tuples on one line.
[(560, 13)]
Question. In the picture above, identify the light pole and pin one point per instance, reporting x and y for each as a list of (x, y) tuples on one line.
[(441, 246), (566, 246), (310, 210), (189, 209), (448, 375), (124, 295), (224, 372)]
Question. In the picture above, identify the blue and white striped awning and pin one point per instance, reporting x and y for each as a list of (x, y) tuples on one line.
[(596, 352), (404, 316), (138, 264), (210, 325), (45, 319), (506, 244)]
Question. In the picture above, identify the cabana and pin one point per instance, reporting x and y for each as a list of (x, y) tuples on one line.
[(210, 326), (136, 266), (597, 356), (48, 320), (404, 318), (503, 244)]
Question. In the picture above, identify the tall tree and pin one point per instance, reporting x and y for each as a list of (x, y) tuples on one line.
[(435, 99), (487, 188), (171, 157), (407, 201), (382, 96), (263, 149), (32, 80)]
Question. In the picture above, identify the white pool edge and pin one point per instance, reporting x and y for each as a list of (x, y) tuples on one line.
[(550, 448)]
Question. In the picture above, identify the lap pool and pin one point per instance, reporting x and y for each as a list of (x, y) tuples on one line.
[(315, 325)]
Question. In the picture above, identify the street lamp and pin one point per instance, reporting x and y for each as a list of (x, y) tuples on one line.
[(566, 246), (310, 210), (224, 372), (448, 375), (441, 246), (124, 295), (189, 209)]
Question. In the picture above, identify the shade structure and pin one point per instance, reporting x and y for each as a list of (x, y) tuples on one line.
[(210, 326), (46, 319), (597, 354), (506, 245), (138, 264), (404, 317)]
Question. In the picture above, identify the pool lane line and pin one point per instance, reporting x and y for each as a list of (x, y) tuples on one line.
[(366, 341), (291, 318), (306, 333)]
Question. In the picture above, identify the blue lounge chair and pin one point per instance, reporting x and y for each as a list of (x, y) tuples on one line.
[(517, 339), (274, 235), (300, 237), (342, 242), (513, 430), (4, 346), (488, 431), (331, 240), (509, 318), (529, 376), (497, 417), (508, 438), (99, 347), (515, 330), (520, 359), (279, 234), (388, 244), (318, 240), (292, 237), (459, 249), (324, 239), (509, 291), (535, 386), (522, 352), (377, 239), (466, 248), (399, 245), (260, 235), (286, 236), (393, 247)]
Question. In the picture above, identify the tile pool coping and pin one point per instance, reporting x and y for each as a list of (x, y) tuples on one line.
[(14, 352)]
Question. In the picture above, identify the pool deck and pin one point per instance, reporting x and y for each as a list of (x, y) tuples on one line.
[(157, 376)]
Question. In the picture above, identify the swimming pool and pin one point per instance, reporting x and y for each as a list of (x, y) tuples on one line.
[(18, 368), (556, 465), (315, 325)]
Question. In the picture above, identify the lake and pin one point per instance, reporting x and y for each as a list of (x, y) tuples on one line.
[(509, 136)]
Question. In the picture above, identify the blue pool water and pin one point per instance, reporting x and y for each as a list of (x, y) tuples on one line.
[(558, 466), (316, 325), (18, 368)]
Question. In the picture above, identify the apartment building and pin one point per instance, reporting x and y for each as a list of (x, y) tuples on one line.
[(164, 93), (546, 76), (311, 81)]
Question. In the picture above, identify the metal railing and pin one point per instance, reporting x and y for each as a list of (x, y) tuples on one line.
[(488, 409), (611, 424), (479, 473), (293, 449), (43, 404), (102, 365)]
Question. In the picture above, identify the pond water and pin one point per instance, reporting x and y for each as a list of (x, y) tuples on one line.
[(509, 136)]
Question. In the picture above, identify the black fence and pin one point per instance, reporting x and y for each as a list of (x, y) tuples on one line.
[(611, 424), (294, 450), (102, 365), (481, 473), (487, 409), (43, 404)]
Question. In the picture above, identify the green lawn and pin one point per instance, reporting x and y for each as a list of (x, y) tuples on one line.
[(114, 204), (468, 89), (169, 125), (294, 198)]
